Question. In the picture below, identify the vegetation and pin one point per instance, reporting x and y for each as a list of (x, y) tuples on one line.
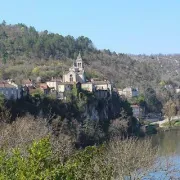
[(83, 137), (170, 110), (84, 117), (174, 123), (39, 162), (29, 150), (20, 44)]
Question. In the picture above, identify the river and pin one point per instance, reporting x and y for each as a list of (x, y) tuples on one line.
[(168, 161)]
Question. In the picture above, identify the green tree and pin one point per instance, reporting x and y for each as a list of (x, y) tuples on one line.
[(153, 104), (2, 101), (36, 71), (5, 57)]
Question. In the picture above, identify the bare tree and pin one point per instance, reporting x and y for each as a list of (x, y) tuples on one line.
[(170, 110), (131, 158)]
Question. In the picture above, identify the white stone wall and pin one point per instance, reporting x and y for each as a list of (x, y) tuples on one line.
[(61, 88), (87, 86), (64, 87), (52, 84), (66, 77)]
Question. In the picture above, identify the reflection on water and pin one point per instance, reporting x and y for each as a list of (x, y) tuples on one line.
[(168, 142), (168, 162)]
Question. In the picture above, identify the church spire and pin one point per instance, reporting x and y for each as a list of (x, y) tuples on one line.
[(79, 56)]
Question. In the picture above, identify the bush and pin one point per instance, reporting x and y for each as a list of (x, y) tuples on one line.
[(36, 163), (39, 162)]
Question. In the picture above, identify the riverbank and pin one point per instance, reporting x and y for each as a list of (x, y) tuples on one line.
[(165, 122), (150, 128)]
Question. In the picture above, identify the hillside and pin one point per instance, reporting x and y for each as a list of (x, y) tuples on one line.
[(25, 52)]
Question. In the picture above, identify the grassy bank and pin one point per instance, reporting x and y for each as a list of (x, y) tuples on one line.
[(174, 123)]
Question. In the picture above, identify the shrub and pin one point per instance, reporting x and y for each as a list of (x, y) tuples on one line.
[(36, 163), (39, 162)]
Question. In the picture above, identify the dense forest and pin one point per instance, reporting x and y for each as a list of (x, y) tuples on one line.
[(23, 48)]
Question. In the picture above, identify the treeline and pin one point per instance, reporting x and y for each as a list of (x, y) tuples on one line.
[(18, 40)]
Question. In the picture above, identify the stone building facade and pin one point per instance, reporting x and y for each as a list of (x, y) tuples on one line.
[(76, 72)]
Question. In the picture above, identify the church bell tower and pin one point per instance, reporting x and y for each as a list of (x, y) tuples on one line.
[(79, 62)]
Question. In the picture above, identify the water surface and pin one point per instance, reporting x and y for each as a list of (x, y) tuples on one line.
[(167, 165)]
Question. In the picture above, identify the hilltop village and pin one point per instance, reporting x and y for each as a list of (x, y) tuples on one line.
[(75, 76), (58, 87)]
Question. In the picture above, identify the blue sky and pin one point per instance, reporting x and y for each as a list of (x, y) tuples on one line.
[(124, 26)]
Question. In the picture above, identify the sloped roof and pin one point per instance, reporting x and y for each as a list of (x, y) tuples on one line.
[(79, 58), (27, 81), (6, 85), (68, 83), (100, 82)]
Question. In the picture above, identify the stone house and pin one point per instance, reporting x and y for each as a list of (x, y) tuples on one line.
[(128, 92), (53, 84), (59, 88), (88, 86), (65, 87), (10, 90), (62, 88), (138, 111), (28, 83), (103, 89), (102, 85)]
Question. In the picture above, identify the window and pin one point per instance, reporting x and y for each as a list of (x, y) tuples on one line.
[(71, 78), (79, 64)]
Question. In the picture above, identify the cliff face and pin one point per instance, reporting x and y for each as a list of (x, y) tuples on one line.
[(91, 111), (104, 109)]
